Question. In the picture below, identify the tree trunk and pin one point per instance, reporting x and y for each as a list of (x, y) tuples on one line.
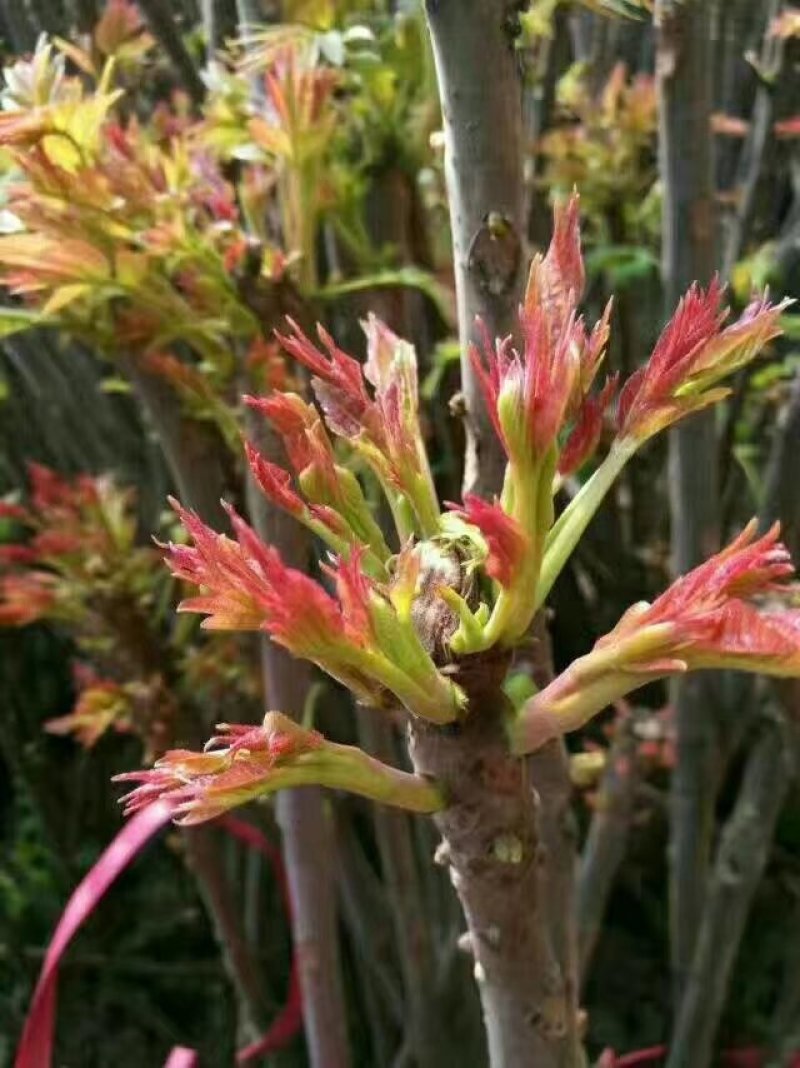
[(492, 845), (510, 848), (481, 96), (684, 69)]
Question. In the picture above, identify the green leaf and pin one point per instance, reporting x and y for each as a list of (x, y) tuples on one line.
[(790, 325), (115, 385), (13, 320), (445, 354), (622, 263), (410, 277), (518, 687)]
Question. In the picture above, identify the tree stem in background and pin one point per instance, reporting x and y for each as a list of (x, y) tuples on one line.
[(607, 840), (748, 834), (160, 19), (740, 863), (193, 456), (307, 835), (684, 65)]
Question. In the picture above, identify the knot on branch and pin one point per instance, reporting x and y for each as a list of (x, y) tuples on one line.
[(494, 255)]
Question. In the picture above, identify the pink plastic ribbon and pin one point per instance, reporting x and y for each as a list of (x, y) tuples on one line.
[(182, 1057), (749, 1057), (36, 1044)]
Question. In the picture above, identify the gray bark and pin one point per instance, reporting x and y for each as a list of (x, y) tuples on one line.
[(481, 100), (607, 840), (754, 150), (493, 848), (684, 67)]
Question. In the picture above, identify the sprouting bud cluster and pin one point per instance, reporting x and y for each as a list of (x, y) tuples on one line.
[(495, 560)]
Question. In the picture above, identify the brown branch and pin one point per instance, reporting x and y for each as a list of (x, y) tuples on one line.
[(684, 66), (492, 845)]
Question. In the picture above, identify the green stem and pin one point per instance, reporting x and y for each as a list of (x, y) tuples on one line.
[(529, 500), (346, 767), (544, 718), (426, 506), (434, 698), (372, 564), (426, 502), (402, 512), (575, 518), (358, 772), (590, 684)]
